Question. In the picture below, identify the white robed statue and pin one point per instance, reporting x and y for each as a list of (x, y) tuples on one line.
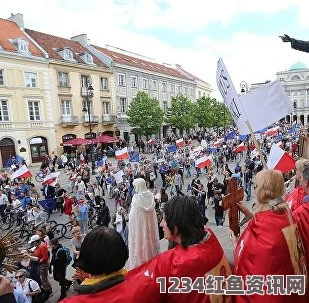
[(143, 226)]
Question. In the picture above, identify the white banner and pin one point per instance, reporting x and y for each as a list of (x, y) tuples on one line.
[(261, 107), (228, 92), (264, 106)]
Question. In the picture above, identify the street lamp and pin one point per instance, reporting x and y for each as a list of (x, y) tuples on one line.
[(244, 87), (88, 94)]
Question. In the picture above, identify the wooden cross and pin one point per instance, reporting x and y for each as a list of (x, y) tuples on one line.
[(229, 201)]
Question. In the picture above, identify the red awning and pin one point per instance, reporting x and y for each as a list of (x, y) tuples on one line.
[(77, 142), (105, 139)]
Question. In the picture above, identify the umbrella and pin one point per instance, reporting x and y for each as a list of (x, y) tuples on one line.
[(77, 142), (105, 139)]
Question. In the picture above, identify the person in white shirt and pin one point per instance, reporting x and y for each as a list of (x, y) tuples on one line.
[(16, 204), (80, 188), (28, 286), (3, 202), (30, 214)]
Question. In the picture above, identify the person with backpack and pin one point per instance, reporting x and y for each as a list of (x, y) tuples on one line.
[(61, 258)]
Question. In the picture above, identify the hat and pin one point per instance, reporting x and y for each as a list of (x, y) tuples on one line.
[(34, 238)]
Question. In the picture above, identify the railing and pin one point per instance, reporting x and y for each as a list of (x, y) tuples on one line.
[(69, 120), (36, 124), (6, 126), (93, 119), (108, 118)]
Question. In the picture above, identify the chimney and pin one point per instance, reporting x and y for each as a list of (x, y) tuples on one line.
[(82, 39), (18, 19)]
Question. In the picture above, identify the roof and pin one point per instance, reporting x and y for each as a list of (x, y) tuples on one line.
[(10, 30), (298, 66), (52, 43), (192, 76), (140, 63)]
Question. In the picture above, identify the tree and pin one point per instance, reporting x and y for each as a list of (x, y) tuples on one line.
[(145, 115), (182, 113), (210, 113)]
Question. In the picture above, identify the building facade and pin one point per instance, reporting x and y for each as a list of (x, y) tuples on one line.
[(296, 84), (134, 73), (26, 115), (72, 68)]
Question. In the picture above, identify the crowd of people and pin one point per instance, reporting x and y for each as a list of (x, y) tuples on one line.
[(145, 211)]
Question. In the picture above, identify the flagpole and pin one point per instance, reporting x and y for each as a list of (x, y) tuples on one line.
[(256, 143)]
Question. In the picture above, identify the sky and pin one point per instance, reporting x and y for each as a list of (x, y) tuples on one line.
[(194, 34)]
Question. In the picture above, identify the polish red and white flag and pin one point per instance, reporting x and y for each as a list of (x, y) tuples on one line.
[(218, 142), (203, 161), (151, 141), (273, 131), (180, 142), (240, 148), (280, 144), (22, 172), (122, 154), (52, 177), (280, 160), (189, 141)]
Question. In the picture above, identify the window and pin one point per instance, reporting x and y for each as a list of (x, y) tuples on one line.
[(164, 87), (134, 82), (106, 110), (123, 105), (22, 46), (199, 94), (165, 106), (88, 58), (295, 77), (185, 90), (191, 91), (145, 83), (178, 89), (121, 80), (104, 83), (31, 80), (173, 88), (63, 79), (68, 54), (66, 108), (85, 81), (4, 110), (34, 110), (154, 84), (1, 77)]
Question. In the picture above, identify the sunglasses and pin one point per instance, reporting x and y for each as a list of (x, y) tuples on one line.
[(18, 277)]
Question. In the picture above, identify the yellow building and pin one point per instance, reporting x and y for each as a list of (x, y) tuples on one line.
[(26, 115), (72, 68)]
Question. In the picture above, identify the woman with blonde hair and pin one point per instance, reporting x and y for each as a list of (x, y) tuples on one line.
[(76, 243), (270, 244), (296, 196)]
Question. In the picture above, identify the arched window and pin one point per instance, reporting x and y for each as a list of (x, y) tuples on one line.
[(68, 54), (295, 104), (295, 77)]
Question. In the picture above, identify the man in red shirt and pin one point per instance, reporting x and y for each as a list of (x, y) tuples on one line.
[(40, 255)]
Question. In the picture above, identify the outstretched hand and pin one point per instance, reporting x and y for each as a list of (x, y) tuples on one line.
[(285, 38)]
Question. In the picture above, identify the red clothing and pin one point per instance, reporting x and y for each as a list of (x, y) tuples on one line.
[(200, 260), (295, 198), (301, 215), (68, 204), (269, 246), (134, 289), (42, 253)]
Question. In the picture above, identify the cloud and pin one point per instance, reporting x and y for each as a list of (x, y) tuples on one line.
[(248, 56)]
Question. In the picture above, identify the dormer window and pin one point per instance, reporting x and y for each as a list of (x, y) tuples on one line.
[(88, 58), (23, 46), (68, 54)]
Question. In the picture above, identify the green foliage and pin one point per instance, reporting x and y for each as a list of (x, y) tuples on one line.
[(182, 113), (145, 115), (211, 113)]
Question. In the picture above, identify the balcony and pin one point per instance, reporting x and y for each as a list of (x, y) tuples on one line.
[(6, 125), (64, 90), (93, 119), (122, 116), (69, 121), (108, 119)]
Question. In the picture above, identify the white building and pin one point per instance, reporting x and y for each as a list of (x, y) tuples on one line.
[(296, 84)]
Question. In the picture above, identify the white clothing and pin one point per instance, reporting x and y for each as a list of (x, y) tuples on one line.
[(118, 222), (24, 287), (30, 215), (16, 204), (143, 226), (4, 199)]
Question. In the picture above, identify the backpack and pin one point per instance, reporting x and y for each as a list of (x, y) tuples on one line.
[(39, 298), (67, 252)]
